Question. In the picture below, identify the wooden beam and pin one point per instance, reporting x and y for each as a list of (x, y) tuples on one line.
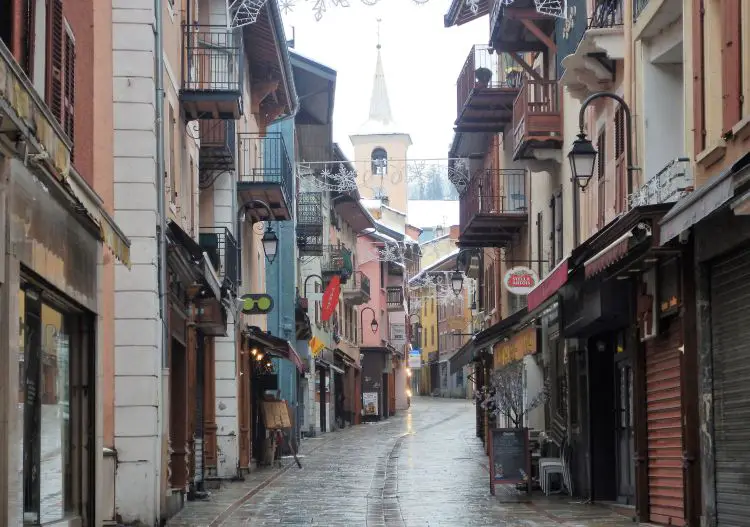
[(528, 69), (521, 13), (538, 33)]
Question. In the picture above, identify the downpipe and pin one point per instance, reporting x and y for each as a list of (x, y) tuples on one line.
[(162, 249)]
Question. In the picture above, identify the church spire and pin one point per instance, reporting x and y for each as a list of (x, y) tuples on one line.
[(380, 105)]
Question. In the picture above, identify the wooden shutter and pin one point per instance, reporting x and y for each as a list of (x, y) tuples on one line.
[(620, 178), (601, 146), (61, 59), (699, 103), (731, 64)]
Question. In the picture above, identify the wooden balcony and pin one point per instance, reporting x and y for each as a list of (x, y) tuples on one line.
[(494, 208), (211, 73), (218, 142), (265, 173), (394, 298), (537, 120), (520, 27), (485, 91)]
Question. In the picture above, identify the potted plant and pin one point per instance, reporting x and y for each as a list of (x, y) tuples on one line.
[(483, 77)]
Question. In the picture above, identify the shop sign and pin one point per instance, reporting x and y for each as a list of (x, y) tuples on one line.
[(256, 304), (370, 403), (398, 334), (521, 344), (330, 298), (316, 346), (520, 280)]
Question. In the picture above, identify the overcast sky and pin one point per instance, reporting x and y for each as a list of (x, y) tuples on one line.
[(421, 59)]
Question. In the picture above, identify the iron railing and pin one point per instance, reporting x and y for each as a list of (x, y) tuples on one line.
[(337, 259), (638, 7), (607, 13), (670, 184), (494, 192), (484, 68), (359, 283), (218, 143), (211, 58), (223, 252), (264, 160), (310, 223), (537, 106)]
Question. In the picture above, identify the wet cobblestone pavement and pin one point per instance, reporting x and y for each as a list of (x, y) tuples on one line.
[(424, 468)]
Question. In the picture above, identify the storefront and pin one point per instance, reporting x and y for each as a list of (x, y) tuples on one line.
[(54, 226), (376, 380), (711, 229)]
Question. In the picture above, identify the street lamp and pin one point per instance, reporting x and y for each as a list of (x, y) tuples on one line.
[(373, 323), (583, 154), (270, 244), (419, 320), (582, 159), (270, 240), (457, 282)]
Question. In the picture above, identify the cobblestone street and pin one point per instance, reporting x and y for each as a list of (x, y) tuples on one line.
[(424, 467)]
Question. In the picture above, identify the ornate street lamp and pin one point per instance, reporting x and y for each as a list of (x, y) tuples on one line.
[(457, 282), (582, 159), (270, 244), (373, 323), (270, 240)]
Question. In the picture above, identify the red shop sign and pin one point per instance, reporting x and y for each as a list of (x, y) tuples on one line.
[(331, 298)]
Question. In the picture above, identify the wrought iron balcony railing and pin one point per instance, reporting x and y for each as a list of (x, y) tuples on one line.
[(607, 13), (223, 252), (264, 162), (638, 7), (357, 290), (485, 69), (337, 260), (494, 192), (218, 143), (670, 184), (212, 57), (310, 223)]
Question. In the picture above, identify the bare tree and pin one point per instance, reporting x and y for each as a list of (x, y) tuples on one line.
[(505, 394)]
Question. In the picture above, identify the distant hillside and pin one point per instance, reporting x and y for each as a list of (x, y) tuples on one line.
[(433, 184)]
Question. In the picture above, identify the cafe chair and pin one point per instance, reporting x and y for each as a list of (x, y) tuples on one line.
[(550, 466)]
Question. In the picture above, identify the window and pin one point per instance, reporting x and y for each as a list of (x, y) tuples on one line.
[(53, 354), (556, 233), (601, 166), (552, 233), (60, 68), (432, 332), (171, 157), (317, 304), (620, 189), (379, 162)]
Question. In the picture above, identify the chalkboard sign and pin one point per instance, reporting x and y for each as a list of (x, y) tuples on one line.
[(510, 458)]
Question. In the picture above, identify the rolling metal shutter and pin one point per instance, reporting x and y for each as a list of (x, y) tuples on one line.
[(730, 336), (666, 493)]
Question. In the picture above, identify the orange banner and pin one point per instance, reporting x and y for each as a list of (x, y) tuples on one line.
[(521, 344)]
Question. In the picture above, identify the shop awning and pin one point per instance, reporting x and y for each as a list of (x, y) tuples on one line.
[(608, 256), (551, 284), (275, 346), (702, 203), (24, 109), (488, 337)]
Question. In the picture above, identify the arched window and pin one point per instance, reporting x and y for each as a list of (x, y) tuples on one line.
[(379, 162)]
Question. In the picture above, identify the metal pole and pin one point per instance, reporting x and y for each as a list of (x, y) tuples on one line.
[(628, 130)]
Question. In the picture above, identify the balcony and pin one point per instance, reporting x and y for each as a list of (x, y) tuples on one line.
[(223, 252), (217, 140), (357, 290), (394, 298), (670, 184), (516, 27), (211, 73), (310, 223), (652, 17), (494, 208), (590, 68), (265, 173), (336, 260), (537, 121), (485, 90)]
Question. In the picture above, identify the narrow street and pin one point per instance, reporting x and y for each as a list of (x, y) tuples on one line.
[(424, 467)]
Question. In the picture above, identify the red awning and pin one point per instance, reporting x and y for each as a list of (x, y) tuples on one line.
[(557, 278), (276, 347), (608, 256)]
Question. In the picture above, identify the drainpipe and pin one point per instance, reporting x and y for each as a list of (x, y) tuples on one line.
[(162, 240)]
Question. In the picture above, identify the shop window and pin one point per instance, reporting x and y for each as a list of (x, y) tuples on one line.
[(53, 390)]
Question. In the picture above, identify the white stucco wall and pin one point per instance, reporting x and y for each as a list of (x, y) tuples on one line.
[(138, 369)]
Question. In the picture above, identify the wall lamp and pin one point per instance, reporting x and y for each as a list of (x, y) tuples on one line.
[(373, 323), (269, 240)]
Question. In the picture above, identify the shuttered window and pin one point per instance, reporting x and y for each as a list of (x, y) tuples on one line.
[(61, 59), (731, 64), (620, 178), (601, 146)]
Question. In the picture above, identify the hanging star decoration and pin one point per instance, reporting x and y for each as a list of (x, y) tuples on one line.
[(244, 12), (286, 6), (314, 178)]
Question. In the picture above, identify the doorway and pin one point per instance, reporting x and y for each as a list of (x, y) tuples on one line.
[(624, 430)]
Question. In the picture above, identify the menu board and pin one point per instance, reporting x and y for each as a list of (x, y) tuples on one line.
[(510, 458)]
